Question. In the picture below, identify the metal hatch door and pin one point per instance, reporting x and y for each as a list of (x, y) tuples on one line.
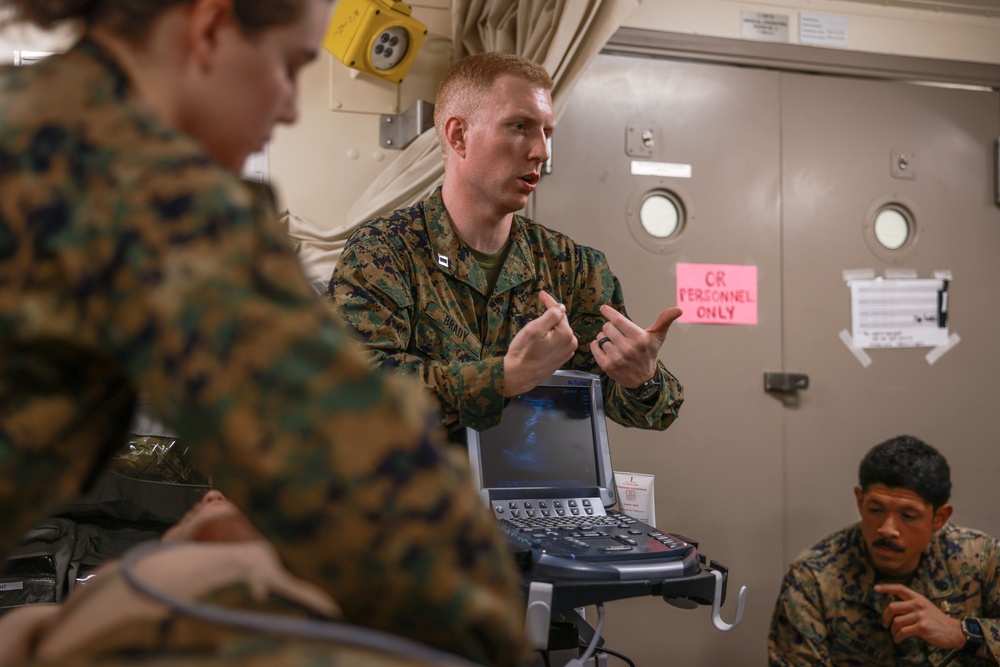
[(785, 172), (709, 135), (851, 148)]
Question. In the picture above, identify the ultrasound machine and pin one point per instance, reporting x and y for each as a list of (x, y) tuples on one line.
[(545, 472)]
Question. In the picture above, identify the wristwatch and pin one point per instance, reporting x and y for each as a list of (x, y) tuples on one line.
[(974, 637), (646, 390)]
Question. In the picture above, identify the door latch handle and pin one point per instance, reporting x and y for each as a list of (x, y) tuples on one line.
[(785, 382)]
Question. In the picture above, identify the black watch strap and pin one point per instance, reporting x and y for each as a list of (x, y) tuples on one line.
[(646, 390), (974, 637)]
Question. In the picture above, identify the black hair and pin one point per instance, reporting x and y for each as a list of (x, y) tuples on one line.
[(905, 462)]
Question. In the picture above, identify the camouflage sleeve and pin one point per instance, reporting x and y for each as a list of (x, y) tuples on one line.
[(797, 637), (372, 292), (598, 285), (991, 598), (338, 466)]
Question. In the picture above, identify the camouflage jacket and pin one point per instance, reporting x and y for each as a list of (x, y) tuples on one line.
[(415, 293), (828, 612), (131, 262)]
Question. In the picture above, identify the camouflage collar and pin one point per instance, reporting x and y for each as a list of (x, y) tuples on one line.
[(105, 82), (88, 49), (519, 267), (454, 256)]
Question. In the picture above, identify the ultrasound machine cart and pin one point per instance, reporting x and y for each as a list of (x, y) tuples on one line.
[(545, 471)]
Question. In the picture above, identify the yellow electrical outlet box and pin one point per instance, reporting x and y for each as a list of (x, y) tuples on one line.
[(377, 37)]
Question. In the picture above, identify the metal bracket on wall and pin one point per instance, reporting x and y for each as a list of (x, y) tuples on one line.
[(785, 382), (400, 130), (639, 141)]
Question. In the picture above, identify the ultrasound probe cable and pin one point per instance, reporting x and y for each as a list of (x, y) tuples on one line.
[(592, 647), (327, 630)]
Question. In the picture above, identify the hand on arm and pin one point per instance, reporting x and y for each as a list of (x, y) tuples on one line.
[(539, 349), (629, 356), (913, 615)]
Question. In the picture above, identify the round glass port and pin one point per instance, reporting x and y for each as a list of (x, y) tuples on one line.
[(659, 216), (892, 228)]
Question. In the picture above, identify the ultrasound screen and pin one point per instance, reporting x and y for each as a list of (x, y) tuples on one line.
[(546, 438)]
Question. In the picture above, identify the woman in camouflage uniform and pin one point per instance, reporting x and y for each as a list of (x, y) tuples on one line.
[(134, 259)]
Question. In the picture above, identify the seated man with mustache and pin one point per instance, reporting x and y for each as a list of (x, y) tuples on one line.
[(903, 586), (212, 556)]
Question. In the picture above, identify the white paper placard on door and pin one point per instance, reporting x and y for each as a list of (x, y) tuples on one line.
[(899, 313)]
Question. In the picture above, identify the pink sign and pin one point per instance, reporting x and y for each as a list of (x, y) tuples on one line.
[(717, 293)]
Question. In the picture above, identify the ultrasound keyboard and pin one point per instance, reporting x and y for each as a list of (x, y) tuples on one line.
[(578, 538)]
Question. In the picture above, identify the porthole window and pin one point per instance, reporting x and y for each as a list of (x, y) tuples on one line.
[(892, 228), (659, 216), (657, 219)]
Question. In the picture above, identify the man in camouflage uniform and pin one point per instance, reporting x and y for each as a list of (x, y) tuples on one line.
[(903, 587), (483, 304), (131, 261)]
